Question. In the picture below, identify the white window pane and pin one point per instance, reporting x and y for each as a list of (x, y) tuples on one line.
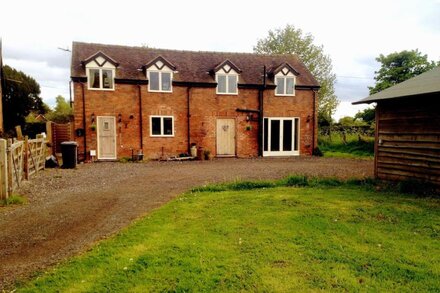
[(168, 126), (166, 81), (107, 79), (290, 86), (154, 81), (94, 78), (221, 87), (232, 84), (279, 81), (155, 126)]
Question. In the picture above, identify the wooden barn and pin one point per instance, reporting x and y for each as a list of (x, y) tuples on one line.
[(407, 144)]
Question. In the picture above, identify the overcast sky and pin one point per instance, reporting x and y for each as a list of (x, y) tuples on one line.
[(353, 33)]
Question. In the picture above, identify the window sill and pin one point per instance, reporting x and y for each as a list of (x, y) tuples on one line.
[(154, 135), (100, 89), (227, 94), (167, 92), (284, 95)]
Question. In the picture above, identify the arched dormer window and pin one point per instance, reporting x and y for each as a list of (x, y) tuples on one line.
[(226, 76), (285, 80), (160, 75), (100, 71)]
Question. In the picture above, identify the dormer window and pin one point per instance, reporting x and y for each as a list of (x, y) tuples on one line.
[(160, 75), (285, 79), (285, 85), (226, 75), (100, 70)]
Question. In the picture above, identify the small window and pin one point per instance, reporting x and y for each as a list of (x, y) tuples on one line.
[(101, 78), (162, 126), (227, 83), (159, 81), (285, 86)]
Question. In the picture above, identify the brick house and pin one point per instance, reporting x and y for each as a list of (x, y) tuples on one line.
[(161, 102)]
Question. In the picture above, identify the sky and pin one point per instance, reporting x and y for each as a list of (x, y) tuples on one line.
[(353, 33)]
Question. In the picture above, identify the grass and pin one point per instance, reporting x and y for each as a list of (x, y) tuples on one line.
[(353, 148), (14, 199), (267, 237)]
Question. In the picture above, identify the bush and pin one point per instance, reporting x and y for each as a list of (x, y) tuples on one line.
[(297, 180)]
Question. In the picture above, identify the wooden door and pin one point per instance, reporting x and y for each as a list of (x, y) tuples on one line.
[(106, 137), (225, 137)]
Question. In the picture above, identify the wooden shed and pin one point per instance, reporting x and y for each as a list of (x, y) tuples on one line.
[(407, 144)]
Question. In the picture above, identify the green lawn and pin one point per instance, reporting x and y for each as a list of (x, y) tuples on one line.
[(352, 148), (267, 239)]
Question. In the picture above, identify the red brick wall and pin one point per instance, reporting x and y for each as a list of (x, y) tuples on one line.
[(205, 106)]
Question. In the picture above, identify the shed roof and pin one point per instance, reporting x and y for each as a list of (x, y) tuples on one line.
[(191, 66), (425, 83)]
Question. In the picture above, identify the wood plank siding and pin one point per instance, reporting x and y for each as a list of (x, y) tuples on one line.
[(408, 139)]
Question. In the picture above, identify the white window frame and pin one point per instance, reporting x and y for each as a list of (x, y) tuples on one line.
[(160, 81), (227, 83), (161, 126), (284, 78), (101, 79), (281, 152)]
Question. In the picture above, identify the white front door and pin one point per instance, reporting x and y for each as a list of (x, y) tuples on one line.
[(225, 137), (281, 136), (106, 132)]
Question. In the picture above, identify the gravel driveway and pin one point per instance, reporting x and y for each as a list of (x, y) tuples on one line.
[(69, 210)]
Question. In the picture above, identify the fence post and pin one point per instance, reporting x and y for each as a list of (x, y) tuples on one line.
[(49, 137), (26, 157), (9, 164), (3, 170), (19, 133)]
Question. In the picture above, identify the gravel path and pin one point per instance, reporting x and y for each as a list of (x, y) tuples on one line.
[(69, 210)]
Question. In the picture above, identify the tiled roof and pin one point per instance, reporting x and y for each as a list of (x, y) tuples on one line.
[(191, 66)]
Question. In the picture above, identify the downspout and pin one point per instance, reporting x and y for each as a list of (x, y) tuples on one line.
[(188, 95), (70, 93), (261, 114), (314, 122), (140, 120), (84, 121)]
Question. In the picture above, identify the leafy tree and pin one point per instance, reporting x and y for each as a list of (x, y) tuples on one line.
[(366, 115), (21, 95), (62, 112), (291, 40), (400, 66)]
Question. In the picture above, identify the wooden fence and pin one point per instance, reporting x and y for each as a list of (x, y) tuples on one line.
[(19, 160)]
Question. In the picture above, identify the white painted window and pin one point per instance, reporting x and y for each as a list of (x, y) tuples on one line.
[(281, 136), (227, 83), (101, 78), (159, 81), (285, 85), (162, 126)]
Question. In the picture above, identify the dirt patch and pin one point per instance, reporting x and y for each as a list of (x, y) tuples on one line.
[(69, 210)]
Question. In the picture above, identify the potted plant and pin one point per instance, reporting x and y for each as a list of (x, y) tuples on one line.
[(93, 127)]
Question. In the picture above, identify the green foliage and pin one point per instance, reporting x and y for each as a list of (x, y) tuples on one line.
[(367, 115), (291, 40), (350, 121), (62, 113), (21, 96), (265, 240), (353, 146), (14, 199), (297, 180), (400, 66)]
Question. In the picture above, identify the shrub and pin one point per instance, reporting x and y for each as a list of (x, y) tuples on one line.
[(297, 180)]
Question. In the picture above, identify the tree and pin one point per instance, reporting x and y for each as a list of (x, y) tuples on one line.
[(350, 121), (62, 112), (366, 115), (291, 40), (400, 66), (21, 95)]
